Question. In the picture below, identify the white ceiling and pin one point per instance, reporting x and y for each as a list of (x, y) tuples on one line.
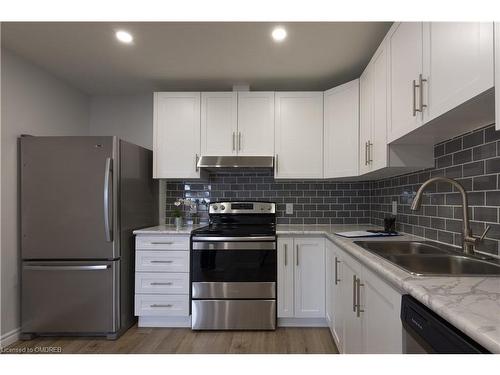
[(197, 56)]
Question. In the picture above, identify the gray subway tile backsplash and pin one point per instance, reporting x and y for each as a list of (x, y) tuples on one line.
[(473, 159)]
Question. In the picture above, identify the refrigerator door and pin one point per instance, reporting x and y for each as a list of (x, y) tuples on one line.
[(70, 297), (66, 206)]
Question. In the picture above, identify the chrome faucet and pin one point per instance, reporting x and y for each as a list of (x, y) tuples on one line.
[(468, 239)]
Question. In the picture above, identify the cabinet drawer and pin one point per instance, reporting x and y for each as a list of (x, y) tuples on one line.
[(161, 283), (162, 243), (158, 261), (161, 305)]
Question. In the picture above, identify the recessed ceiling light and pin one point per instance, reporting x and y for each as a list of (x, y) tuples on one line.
[(279, 34), (124, 37)]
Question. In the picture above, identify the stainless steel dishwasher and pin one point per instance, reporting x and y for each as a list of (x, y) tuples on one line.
[(426, 332)]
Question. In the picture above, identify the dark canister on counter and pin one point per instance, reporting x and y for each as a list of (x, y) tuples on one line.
[(390, 224)]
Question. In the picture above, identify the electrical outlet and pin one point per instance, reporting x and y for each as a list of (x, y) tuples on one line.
[(394, 208), (289, 208)]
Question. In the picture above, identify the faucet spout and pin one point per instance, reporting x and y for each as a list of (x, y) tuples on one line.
[(468, 240)]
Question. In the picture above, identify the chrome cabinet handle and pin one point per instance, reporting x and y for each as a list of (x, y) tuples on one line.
[(233, 142), (370, 158), (297, 255), (337, 280), (358, 298), (162, 261), (108, 170), (162, 243), (366, 153), (276, 163), (285, 250), (354, 293), (421, 81), (414, 88), (158, 283), (239, 141), (160, 305), (196, 163)]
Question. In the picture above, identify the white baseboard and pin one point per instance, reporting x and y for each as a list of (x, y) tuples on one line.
[(10, 337), (302, 322), (165, 321)]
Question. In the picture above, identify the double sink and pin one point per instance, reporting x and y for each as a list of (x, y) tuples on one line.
[(427, 258)]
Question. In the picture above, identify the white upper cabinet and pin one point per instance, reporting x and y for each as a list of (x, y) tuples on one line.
[(405, 41), (497, 75), (255, 123), (458, 64), (365, 118), (310, 277), (176, 134), (341, 130), (298, 135), (219, 123), (373, 113)]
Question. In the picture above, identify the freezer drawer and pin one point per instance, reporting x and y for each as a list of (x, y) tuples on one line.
[(70, 297)]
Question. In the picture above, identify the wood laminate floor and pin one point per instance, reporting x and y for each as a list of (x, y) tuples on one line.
[(185, 341)]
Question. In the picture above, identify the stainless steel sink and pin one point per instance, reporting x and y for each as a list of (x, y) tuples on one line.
[(384, 248), (428, 258)]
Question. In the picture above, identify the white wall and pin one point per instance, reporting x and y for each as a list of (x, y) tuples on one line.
[(37, 103), (129, 117)]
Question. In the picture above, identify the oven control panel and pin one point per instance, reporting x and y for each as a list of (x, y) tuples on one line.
[(242, 208)]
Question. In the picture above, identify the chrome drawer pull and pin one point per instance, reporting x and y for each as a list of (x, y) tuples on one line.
[(157, 283), (162, 243), (160, 305), (162, 261)]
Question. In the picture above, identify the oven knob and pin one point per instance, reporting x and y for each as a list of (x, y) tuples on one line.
[(215, 208), (222, 207)]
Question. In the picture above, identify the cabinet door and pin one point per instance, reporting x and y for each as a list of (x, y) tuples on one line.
[(458, 63), (382, 329), (299, 135), (337, 302), (497, 75), (329, 284), (176, 134), (285, 278), (309, 277), (341, 130), (218, 123), (353, 333), (255, 123), (405, 46), (365, 118), (378, 144)]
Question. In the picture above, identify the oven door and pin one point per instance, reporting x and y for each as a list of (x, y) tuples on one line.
[(233, 260)]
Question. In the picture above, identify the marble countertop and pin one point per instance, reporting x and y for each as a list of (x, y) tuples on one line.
[(471, 304), (169, 229)]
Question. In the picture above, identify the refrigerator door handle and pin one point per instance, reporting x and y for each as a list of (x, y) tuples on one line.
[(107, 201), (68, 268)]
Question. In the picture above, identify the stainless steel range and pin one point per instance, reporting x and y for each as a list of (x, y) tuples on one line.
[(234, 268)]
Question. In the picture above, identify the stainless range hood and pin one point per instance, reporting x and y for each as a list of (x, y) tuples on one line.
[(235, 162)]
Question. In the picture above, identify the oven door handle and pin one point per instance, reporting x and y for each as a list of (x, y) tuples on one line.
[(241, 246), (235, 239)]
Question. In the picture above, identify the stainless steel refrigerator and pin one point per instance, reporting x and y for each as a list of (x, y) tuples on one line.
[(81, 198)]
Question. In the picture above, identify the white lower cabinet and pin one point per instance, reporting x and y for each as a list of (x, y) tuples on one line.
[(162, 280), (301, 277), (365, 310)]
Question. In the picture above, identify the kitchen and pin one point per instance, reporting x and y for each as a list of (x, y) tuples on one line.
[(250, 200)]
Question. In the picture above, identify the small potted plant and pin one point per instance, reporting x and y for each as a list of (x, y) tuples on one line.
[(177, 211)]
